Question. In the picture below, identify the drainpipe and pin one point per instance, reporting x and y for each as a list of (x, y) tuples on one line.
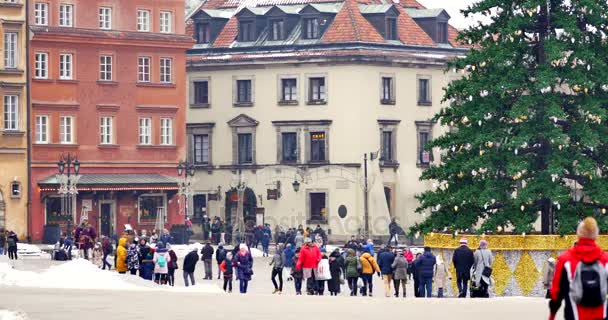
[(28, 121)]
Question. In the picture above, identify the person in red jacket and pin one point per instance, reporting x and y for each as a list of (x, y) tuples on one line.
[(586, 251), (310, 256)]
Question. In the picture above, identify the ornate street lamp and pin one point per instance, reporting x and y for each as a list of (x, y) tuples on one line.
[(185, 171), (68, 184)]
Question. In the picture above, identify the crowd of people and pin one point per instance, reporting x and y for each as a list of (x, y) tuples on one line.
[(8, 244)]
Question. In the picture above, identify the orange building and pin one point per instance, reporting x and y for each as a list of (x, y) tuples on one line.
[(107, 85)]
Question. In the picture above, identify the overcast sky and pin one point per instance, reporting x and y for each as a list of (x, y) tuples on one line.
[(453, 7)]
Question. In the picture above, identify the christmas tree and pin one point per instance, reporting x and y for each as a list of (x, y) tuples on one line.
[(528, 122)]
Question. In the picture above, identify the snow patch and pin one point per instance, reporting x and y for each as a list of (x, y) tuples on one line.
[(29, 250), (12, 315)]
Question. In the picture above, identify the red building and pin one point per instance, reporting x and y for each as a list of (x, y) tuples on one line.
[(107, 84)]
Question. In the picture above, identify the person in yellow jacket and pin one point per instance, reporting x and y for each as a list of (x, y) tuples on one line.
[(368, 267), (121, 256)]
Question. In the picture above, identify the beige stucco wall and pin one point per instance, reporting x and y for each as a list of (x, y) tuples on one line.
[(13, 145), (353, 95)]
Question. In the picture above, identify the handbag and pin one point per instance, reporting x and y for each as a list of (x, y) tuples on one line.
[(487, 271)]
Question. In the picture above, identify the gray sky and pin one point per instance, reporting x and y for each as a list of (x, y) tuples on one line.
[(453, 7)]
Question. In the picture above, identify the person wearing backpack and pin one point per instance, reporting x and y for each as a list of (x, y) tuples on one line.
[(482, 271), (581, 277), (161, 263)]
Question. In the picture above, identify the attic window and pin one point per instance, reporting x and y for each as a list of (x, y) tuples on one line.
[(391, 29), (442, 32), (203, 33), (277, 30), (311, 28), (246, 31)]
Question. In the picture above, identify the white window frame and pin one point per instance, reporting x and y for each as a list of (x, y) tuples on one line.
[(66, 15), (66, 130), (41, 65), (11, 50), (41, 13), (11, 112), (166, 22), (105, 18), (143, 20), (145, 131), (106, 130), (105, 63), (66, 66), (143, 69), (166, 131), (166, 70), (42, 129)]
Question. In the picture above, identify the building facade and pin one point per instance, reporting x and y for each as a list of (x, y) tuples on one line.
[(108, 87), (13, 137), (304, 103)]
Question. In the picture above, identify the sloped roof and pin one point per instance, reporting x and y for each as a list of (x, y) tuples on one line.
[(411, 4), (374, 8), (410, 32), (425, 13), (103, 179), (228, 34), (350, 26)]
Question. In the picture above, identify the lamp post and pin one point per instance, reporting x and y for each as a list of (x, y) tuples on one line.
[(68, 184), (240, 185), (372, 156), (185, 171)]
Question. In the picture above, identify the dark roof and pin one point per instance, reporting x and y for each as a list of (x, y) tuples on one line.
[(173, 39), (116, 179)]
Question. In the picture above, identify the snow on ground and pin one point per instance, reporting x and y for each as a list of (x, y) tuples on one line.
[(81, 274), (181, 250), (29, 250), (12, 315)]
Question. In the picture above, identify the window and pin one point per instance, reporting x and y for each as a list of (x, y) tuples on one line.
[(311, 28), (387, 146), (150, 207), (243, 91), (41, 65), (203, 33), (143, 20), (277, 31), (442, 32), (105, 18), (42, 129), (246, 31), (387, 90), (289, 90), (166, 21), (201, 92), (317, 147), (66, 130), (316, 92), (11, 112), (41, 13), (245, 151), (15, 189), (165, 70), (143, 69), (289, 146), (105, 129), (318, 209), (66, 15), (11, 52), (424, 132), (201, 149), (145, 131), (391, 29), (424, 94), (166, 131), (105, 68), (65, 66)]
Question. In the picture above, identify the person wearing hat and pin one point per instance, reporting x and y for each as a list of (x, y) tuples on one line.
[(400, 269), (584, 299), (308, 262), (463, 260), (85, 236), (481, 279), (161, 261), (244, 267)]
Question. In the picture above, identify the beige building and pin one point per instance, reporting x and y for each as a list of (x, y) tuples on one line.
[(294, 101), (13, 119)]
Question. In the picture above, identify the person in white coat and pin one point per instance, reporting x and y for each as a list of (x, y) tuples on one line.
[(323, 274), (161, 263), (481, 278)]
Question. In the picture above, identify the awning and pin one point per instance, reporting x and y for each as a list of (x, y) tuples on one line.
[(115, 182)]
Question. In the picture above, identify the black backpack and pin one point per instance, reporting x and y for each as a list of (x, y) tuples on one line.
[(589, 284)]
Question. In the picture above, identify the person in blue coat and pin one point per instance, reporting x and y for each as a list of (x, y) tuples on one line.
[(385, 262), (266, 236), (369, 247), (288, 254), (243, 261), (425, 267)]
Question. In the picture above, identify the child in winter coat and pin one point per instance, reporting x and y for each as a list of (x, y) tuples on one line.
[(133, 259), (97, 254), (548, 276), (161, 263), (441, 276), (323, 274), (296, 274), (227, 269)]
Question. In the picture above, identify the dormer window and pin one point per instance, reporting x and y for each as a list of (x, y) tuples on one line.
[(204, 33), (391, 29), (277, 30), (246, 31), (442, 32), (311, 28)]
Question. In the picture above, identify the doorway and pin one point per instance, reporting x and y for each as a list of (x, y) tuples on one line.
[(106, 217)]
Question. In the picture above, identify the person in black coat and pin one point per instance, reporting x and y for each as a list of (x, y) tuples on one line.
[(335, 268), (463, 260), (416, 276), (207, 257), (220, 256), (189, 266)]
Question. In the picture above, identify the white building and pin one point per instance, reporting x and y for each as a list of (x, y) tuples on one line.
[(301, 92)]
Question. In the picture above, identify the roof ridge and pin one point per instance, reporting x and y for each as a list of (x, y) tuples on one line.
[(348, 4)]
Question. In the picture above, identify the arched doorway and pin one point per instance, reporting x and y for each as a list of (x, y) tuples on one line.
[(231, 204)]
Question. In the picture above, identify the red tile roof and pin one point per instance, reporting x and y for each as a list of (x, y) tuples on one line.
[(410, 32), (350, 26), (228, 34), (452, 35), (411, 4), (214, 4)]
